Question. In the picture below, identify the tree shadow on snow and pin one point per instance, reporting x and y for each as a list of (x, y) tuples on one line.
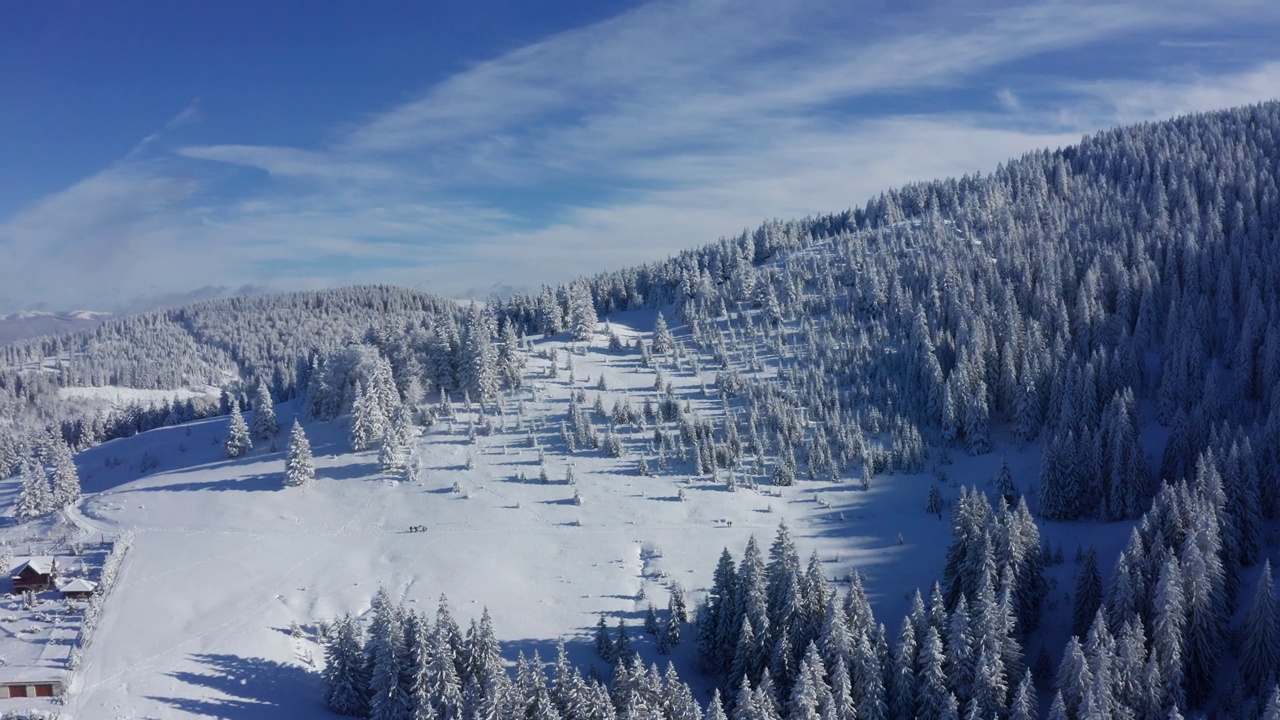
[(354, 471), (252, 483), (255, 688)]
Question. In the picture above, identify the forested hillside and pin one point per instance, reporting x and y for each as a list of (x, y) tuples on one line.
[(1113, 306), (232, 344), (1053, 297)]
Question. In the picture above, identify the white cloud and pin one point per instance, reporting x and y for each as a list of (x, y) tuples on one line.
[(697, 119), (1008, 100), (1128, 101)]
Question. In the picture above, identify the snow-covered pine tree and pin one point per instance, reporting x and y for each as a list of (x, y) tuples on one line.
[(1168, 631), (663, 341), (676, 603), (511, 359), (1003, 480), (238, 441), (389, 697), (64, 477), (1260, 637), (443, 690), (478, 372), (932, 685), (299, 468), (1272, 709), (35, 498), (671, 631), (977, 432), (582, 312), (604, 642), (368, 423), (396, 441), (265, 425), (346, 682), (1088, 595)]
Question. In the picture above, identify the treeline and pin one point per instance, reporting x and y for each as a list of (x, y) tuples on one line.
[(234, 343)]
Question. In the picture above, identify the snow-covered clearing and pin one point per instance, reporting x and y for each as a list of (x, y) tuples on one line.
[(225, 561), (119, 396)]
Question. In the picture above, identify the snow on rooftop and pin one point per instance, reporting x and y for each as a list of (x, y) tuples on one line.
[(79, 585), (42, 564)]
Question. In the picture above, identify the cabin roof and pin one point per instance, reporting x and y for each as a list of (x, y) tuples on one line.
[(79, 585), (43, 565)]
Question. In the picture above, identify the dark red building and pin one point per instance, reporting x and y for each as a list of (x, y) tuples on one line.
[(36, 574)]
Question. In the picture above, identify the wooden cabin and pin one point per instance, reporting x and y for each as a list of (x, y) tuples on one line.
[(36, 574), (78, 589)]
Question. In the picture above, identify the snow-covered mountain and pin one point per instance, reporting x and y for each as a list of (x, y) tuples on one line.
[(35, 323), (1050, 391)]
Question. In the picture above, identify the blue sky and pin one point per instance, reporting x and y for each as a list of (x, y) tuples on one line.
[(151, 151)]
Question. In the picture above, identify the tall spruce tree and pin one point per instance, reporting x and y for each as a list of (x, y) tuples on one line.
[(35, 498), (63, 475), (299, 468), (1260, 637), (238, 440), (346, 682), (265, 425)]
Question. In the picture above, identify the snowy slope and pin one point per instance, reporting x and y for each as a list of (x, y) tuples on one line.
[(225, 560)]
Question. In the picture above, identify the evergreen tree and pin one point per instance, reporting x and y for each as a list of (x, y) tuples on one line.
[(1024, 705), (715, 708), (622, 651), (396, 449), (346, 684), (977, 433), (582, 312), (1074, 678), (416, 665), (265, 425), (368, 423), (603, 642), (868, 682), (676, 604), (238, 441), (933, 505), (804, 696), (1272, 710), (1004, 480), (35, 498), (842, 703), (1088, 595), (479, 373), (299, 468), (1260, 636), (933, 693), (63, 475), (389, 698), (1167, 635), (663, 341), (670, 633), (511, 361), (442, 688), (903, 693)]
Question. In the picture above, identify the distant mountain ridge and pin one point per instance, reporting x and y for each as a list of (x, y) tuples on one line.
[(35, 323)]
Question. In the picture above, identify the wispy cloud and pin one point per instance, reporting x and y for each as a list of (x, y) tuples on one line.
[(619, 142)]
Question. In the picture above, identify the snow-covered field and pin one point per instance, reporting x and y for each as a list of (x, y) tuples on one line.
[(225, 560), (118, 396)]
